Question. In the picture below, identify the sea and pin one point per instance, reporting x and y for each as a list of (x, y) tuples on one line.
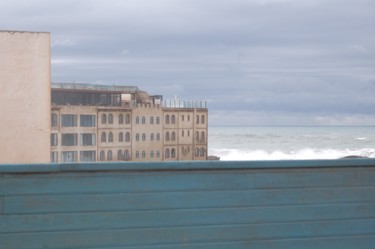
[(290, 143)]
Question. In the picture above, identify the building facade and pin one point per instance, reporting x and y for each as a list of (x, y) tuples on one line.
[(97, 123)]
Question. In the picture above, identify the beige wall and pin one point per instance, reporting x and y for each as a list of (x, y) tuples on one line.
[(25, 97)]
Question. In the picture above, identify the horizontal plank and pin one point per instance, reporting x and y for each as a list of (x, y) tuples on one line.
[(184, 200), (347, 242), (304, 178), (185, 235), (183, 165), (125, 183), (175, 218)]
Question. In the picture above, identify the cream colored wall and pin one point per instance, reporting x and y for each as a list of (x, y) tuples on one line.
[(25, 76)]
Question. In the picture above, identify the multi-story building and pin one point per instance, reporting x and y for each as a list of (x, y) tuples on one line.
[(121, 123)]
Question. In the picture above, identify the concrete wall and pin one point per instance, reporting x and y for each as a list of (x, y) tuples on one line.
[(327, 204), (25, 97)]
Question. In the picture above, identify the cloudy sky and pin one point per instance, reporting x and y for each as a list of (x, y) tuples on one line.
[(256, 62)]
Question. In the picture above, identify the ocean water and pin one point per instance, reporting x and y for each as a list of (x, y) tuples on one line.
[(290, 143)]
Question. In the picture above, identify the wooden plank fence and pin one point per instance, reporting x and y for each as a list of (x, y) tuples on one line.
[(198, 205)]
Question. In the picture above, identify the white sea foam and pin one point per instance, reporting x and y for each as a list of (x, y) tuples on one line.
[(302, 154)]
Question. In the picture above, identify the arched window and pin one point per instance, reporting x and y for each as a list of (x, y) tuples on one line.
[(143, 120), (197, 136), (157, 120), (137, 154), (120, 119), (143, 154), (203, 120), (167, 153), (137, 137), (127, 137), (127, 118), (102, 155), (203, 137), (152, 154), (137, 120), (202, 152), (151, 120), (143, 137), (167, 119), (158, 154), (119, 155), (110, 137), (173, 153), (104, 118), (173, 119), (109, 155), (197, 121), (167, 138), (110, 118), (158, 136), (103, 137), (173, 136), (197, 152), (126, 155), (152, 137), (121, 137)]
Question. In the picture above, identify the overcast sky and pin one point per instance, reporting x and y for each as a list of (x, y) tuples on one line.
[(256, 62)]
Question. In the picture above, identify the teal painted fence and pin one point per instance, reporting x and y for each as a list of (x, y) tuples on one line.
[(199, 205)]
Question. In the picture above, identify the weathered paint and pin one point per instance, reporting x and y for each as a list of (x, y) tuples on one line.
[(275, 204)]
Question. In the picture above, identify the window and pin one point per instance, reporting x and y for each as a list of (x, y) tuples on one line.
[(119, 155), (110, 137), (137, 137), (137, 120), (54, 120), (173, 136), (167, 153), (88, 139), (202, 152), (203, 137), (151, 120), (54, 141), (197, 119), (69, 156), (102, 155), (109, 155), (87, 120), (167, 138), (121, 137), (143, 137), (157, 120), (143, 154), (197, 136), (126, 155), (68, 120), (188, 133), (167, 119), (152, 137), (158, 154), (87, 156), (110, 118), (183, 133), (127, 137), (173, 119), (152, 154), (103, 137), (127, 119), (158, 136), (54, 156), (143, 120), (173, 153), (183, 117), (137, 154), (104, 118), (120, 119), (197, 152), (69, 139), (203, 120)]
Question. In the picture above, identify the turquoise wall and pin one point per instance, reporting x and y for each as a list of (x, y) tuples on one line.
[(199, 205)]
